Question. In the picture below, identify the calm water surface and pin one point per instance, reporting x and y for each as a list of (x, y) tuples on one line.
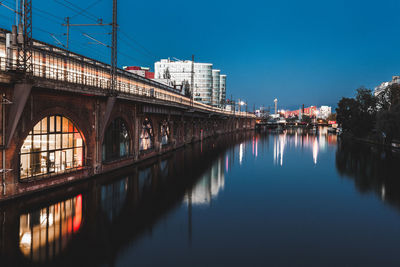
[(255, 199)]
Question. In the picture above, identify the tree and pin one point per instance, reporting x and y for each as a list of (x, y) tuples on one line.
[(388, 123), (346, 113), (167, 74), (367, 104), (187, 90)]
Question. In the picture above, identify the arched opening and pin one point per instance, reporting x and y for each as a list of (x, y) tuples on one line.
[(146, 135), (116, 141), (54, 145), (164, 132)]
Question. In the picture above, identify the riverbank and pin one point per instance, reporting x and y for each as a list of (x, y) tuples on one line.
[(371, 141)]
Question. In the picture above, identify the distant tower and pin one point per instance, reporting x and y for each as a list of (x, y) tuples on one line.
[(276, 106)]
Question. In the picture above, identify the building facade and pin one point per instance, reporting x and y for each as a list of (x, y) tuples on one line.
[(383, 86), (222, 90), (216, 88), (324, 112), (179, 72)]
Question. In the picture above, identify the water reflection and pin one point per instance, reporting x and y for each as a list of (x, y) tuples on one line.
[(298, 137), (371, 168), (219, 195), (45, 233), (113, 197), (119, 208), (210, 184)]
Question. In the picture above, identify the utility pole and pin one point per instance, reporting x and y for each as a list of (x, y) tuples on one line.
[(24, 60), (68, 24), (114, 48)]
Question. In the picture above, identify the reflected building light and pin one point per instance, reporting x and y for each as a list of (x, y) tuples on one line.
[(253, 145), (241, 153), (217, 179), (227, 163), (315, 150), (200, 193), (383, 192), (49, 229), (279, 149), (275, 150), (295, 139), (256, 147), (208, 187), (282, 139)]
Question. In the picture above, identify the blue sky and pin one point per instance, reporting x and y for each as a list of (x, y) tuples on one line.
[(311, 52)]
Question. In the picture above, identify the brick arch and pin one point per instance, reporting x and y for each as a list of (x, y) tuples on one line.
[(130, 125), (84, 127), (77, 121)]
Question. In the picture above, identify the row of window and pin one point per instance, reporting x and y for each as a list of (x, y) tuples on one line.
[(56, 145)]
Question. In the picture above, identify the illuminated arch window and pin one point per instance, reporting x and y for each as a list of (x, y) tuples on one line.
[(54, 145), (164, 132), (116, 141), (146, 135)]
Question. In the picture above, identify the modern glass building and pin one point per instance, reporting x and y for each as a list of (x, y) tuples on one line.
[(216, 87), (180, 72), (222, 90)]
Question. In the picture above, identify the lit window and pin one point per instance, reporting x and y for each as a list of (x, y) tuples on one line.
[(164, 130), (146, 135), (54, 145)]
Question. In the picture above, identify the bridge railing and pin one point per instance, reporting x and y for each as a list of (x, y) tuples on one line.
[(56, 64)]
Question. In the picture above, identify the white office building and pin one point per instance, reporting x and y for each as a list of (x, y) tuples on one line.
[(216, 88), (206, 89), (324, 112), (383, 86), (222, 89)]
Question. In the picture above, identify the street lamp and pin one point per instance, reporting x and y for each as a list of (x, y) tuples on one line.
[(241, 103)]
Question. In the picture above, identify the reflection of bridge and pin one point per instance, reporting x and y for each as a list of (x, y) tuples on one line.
[(62, 122), (118, 209)]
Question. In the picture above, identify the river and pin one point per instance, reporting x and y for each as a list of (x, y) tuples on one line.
[(291, 198)]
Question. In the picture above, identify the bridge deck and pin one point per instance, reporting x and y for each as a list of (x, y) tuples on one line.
[(59, 69)]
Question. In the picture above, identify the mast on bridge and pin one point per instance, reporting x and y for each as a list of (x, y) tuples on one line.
[(24, 60)]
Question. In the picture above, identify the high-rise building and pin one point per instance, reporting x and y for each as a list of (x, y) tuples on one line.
[(216, 88), (179, 72), (222, 90)]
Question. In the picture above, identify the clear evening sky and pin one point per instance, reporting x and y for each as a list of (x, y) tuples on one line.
[(311, 52)]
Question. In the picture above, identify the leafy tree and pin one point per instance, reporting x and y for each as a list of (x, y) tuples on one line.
[(187, 90), (367, 104), (167, 74), (347, 113), (388, 123)]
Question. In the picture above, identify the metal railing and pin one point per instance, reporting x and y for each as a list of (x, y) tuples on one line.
[(56, 64)]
